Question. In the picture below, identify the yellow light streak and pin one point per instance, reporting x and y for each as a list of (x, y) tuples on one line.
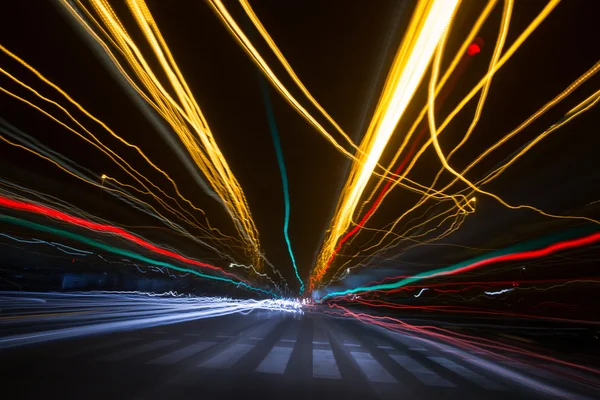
[(485, 82), (181, 112), (505, 57), (441, 156), (428, 23), (239, 35), (265, 35)]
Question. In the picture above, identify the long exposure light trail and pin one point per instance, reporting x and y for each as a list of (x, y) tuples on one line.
[(59, 232), (184, 116), (499, 292), (286, 65), (428, 23), (480, 262), (146, 183), (83, 314), (505, 57), (464, 61), (94, 139), (237, 32), (61, 216), (284, 179), (432, 123), (463, 310), (582, 107), (496, 349)]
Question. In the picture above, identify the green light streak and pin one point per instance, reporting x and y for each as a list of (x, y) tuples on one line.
[(122, 252)]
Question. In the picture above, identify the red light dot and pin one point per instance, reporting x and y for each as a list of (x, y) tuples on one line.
[(473, 49)]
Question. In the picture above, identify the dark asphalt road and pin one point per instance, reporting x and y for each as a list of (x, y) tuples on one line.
[(265, 355)]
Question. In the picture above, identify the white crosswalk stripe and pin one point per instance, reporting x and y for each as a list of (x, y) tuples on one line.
[(423, 374), (276, 361), (324, 365), (227, 357), (134, 351), (479, 380), (374, 371), (181, 354)]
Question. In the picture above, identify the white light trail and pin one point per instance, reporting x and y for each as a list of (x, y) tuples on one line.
[(499, 292)]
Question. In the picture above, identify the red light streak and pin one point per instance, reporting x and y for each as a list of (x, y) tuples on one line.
[(61, 216), (472, 284), (526, 255), (461, 309), (458, 339)]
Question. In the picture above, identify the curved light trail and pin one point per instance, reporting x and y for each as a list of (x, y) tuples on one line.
[(130, 254), (103, 228), (284, 180), (428, 23), (510, 254)]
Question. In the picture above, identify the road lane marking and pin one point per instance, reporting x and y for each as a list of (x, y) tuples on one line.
[(276, 361), (374, 371), (227, 357), (134, 351), (477, 379), (181, 354), (420, 372), (324, 365)]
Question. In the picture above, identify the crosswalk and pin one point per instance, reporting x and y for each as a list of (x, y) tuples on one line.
[(181, 354), (379, 362)]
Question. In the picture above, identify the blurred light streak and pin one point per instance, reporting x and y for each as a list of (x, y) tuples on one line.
[(267, 38), (585, 105), (73, 169), (443, 93), (464, 342), (421, 292), (84, 314), (32, 225), (499, 292), (103, 228), (282, 170), (582, 107), (54, 158), (456, 67), (94, 140), (57, 246), (105, 56), (506, 17), (218, 241), (518, 284), (418, 45), (496, 257), (505, 57), (184, 116), (463, 310), (243, 40)]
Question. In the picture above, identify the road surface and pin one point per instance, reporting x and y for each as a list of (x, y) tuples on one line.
[(267, 355)]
